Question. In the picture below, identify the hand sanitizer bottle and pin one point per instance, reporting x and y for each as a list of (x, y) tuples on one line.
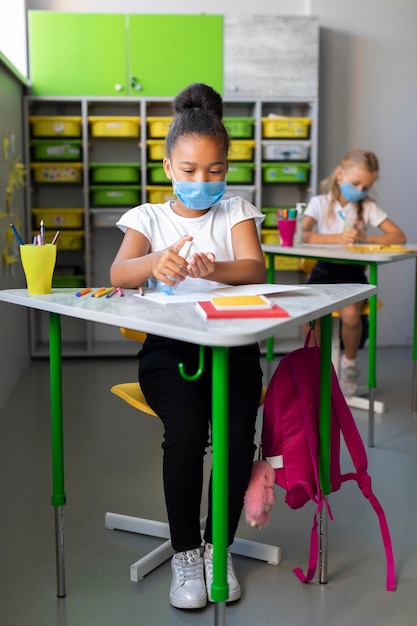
[(299, 208), (169, 289)]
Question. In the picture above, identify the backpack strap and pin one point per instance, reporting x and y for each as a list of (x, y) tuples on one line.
[(357, 452), (317, 497), (314, 544)]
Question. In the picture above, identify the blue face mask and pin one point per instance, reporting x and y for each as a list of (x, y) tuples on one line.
[(198, 195), (352, 193)]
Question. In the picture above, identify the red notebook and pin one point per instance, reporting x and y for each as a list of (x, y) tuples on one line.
[(208, 311)]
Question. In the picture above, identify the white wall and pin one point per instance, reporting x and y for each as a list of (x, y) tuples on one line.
[(13, 39), (368, 96)]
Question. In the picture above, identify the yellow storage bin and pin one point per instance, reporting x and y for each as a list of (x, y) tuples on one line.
[(288, 263), (286, 127), (241, 150), (55, 126), (67, 240), (270, 236), (158, 126), (58, 218), (158, 195), (57, 172), (156, 149), (114, 126)]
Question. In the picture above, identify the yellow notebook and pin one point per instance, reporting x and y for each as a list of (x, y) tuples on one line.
[(239, 303)]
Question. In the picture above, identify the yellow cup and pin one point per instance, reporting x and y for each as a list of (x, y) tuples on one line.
[(38, 264)]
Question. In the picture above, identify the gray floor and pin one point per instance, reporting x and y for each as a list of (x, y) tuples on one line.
[(113, 463)]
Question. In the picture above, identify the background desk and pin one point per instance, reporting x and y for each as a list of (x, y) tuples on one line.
[(182, 321), (373, 259)]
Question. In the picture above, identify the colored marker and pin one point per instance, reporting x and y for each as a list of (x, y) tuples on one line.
[(141, 291), (83, 292), (104, 292), (18, 237), (120, 291), (346, 223), (112, 292)]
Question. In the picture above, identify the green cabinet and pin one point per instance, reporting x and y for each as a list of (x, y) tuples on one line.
[(95, 54)]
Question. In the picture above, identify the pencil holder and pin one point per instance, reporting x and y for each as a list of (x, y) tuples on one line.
[(38, 264), (287, 230)]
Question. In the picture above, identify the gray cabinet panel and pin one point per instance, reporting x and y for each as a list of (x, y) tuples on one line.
[(268, 56)]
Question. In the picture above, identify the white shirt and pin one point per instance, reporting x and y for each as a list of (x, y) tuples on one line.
[(317, 209), (211, 232)]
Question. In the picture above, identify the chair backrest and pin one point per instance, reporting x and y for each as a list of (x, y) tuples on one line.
[(136, 335)]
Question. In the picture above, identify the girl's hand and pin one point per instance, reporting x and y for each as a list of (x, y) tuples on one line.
[(202, 264), (349, 236), (168, 266)]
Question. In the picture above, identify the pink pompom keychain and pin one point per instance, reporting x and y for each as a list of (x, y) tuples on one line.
[(260, 496)]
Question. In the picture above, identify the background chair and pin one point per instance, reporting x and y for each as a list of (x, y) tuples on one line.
[(133, 395)]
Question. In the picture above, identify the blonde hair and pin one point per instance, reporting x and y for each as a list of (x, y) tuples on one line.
[(354, 158)]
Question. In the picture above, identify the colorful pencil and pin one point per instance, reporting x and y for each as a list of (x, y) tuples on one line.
[(18, 237), (83, 292), (104, 292)]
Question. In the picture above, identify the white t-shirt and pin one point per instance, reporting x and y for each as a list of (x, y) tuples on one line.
[(211, 232), (317, 209)]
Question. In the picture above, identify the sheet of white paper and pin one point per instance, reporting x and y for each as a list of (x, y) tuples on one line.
[(256, 289), (187, 295)]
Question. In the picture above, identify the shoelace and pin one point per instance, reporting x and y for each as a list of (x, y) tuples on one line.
[(187, 568), (209, 564)]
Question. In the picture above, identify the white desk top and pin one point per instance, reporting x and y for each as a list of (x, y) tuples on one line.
[(183, 322), (342, 253)]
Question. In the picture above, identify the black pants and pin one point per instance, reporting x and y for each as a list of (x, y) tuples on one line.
[(325, 272), (185, 410)]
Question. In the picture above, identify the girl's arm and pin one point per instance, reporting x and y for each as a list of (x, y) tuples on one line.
[(248, 266), (347, 237), (134, 264), (391, 234)]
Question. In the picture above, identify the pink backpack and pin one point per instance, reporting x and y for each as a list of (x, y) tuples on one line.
[(290, 444)]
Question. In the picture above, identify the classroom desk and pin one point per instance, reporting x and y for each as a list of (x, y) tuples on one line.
[(182, 321), (373, 260)]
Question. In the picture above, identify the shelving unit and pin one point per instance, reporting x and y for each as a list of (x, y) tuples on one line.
[(83, 182)]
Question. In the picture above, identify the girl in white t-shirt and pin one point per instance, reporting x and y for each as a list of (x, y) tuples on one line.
[(225, 249), (341, 216)]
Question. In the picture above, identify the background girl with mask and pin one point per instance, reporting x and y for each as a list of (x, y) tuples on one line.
[(225, 249), (341, 216)]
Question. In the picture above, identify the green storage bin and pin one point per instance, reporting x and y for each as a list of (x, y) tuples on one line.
[(115, 172), (68, 280), (56, 150), (240, 127), (156, 174), (112, 195), (240, 173), (285, 172), (271, 215)]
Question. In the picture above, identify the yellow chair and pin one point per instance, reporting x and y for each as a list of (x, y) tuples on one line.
[(133, 395)]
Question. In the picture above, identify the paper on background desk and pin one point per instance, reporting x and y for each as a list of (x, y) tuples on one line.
[(182, 295)]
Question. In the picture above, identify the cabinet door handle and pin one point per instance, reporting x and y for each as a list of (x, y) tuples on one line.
[(118, 87), (135, 84)]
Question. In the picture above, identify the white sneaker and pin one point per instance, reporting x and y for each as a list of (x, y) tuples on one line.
[(349, 378), (188, 590), (234, 587)]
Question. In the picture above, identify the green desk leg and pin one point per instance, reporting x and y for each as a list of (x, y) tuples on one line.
[(372, 354), (58, 490), (271, 280), (220, 373), (324, 450), (414, 393)]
